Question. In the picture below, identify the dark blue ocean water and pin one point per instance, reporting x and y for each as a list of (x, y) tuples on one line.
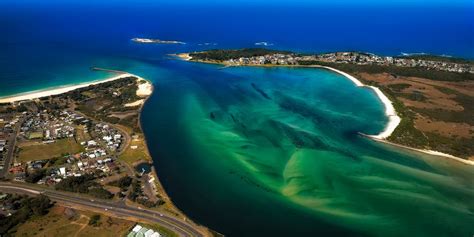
[(44, 45), (288, 165)]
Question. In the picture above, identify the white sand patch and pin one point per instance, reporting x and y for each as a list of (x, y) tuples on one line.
[(56, 91), (144, 88), (136, 103), (184, 56)]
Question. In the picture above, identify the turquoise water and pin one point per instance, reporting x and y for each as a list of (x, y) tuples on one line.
[(260, 151)]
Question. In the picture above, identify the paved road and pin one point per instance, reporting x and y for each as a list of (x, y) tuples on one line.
[(179, 226), (11, 148)]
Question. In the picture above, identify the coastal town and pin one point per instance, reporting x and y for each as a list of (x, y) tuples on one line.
[(85, 140), (287, 58), (49, 144)]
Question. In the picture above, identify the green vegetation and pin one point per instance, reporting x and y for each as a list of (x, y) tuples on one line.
[(24, 207), (135, 191), (39, 151), (457, 146), (57, 161), (406, 133), (102, 100), (398, 87), (83, 184), (124, 182), (35, 176), (465, 116), (225, 54), (398, 71), (136, 195), (131, 156), (438, 58), (94, 220), (415, 96), (59, 223)]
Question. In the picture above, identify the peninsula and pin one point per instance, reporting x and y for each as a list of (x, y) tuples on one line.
[(428, 99), (82, 146)]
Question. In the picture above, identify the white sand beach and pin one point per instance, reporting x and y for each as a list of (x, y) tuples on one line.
[(184, 56), (145, 88), (56, 91), (430, 152), (393, 119), (135, 103)]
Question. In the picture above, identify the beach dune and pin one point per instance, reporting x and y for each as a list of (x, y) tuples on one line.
[(58, 90)]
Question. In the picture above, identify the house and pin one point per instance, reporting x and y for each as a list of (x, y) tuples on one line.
[(149, 233), (139, 231), (62, 171), (137, 228)]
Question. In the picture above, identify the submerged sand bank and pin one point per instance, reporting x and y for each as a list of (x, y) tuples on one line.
[(393, 118)]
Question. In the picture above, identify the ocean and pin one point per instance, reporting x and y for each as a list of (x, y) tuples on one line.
[(260, 151)]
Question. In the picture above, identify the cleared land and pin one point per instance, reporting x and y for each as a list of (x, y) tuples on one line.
[(136, 151), (30, 151), (61, 221)]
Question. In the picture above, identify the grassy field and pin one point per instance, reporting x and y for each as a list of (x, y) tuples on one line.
[(81, 134), (57, 223), (39, 151), (131, 156)]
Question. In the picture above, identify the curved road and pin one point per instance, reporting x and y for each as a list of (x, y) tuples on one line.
[(178, 226)]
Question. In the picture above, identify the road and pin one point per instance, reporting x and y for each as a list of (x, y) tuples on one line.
[(120, 210), (11, 148)]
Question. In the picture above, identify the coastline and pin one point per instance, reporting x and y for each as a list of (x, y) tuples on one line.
[(144, 91), (429, 152), (57, 90), (393, 119)]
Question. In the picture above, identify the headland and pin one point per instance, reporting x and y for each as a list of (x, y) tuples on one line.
[(90, 142), (398, 86)]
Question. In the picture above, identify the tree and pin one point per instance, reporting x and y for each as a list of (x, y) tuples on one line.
[(95, 220)]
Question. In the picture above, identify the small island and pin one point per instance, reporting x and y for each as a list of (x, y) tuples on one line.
[(430, 98), (156, 41)]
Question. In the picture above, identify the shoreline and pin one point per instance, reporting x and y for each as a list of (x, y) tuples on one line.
[(390, 112), (31, 95), (144, 91), (429, 152)]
